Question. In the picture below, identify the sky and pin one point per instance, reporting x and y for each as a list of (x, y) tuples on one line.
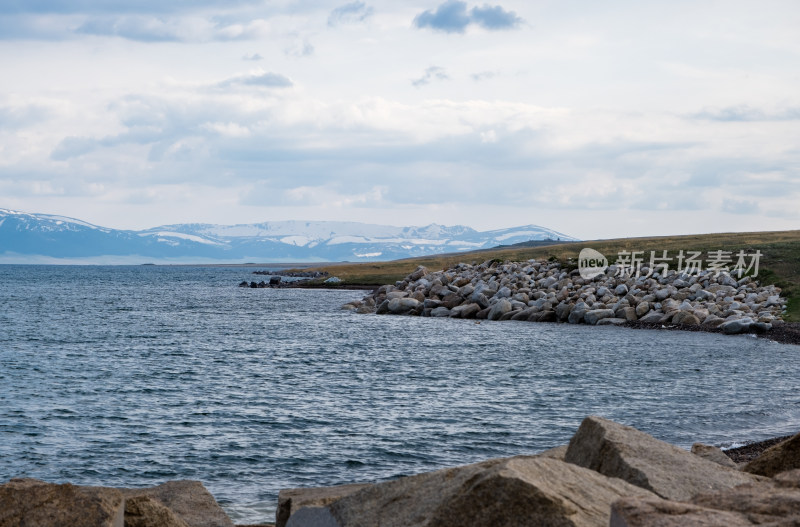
[(597, 119)]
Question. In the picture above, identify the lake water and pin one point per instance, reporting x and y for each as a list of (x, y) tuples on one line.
[(131, 376)]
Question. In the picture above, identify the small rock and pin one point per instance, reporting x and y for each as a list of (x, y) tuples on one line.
[(465, 311), (403, 306), (502, 307), (714, 454), (740, 325), (685, 318), (593, 316), (652, 318), (611, 321), (440, 311)]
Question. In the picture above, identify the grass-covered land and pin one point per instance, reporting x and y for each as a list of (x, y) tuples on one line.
[(779, 263)]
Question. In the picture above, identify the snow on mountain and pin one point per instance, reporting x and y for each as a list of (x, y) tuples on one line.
[(52, 236), (47, 222)]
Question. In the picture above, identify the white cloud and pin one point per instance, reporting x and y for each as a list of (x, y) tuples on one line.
[(593, 126)]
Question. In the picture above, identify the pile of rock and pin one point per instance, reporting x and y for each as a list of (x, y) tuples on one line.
[(547, 292), (275, 281), (609, 474), (173, 504)]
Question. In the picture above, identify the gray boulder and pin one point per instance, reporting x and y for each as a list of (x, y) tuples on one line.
[(403, 306), (440, 311), (713, 321), (465, 311), (739, 325), (619, 451), (685, 318), (611, 321), (548, 282), (652, 318), (577, 313), (594, 315), (503, 292), (502, 307), (629, 314)]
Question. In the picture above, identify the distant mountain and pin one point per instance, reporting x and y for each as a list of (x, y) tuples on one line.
[(44, 238)]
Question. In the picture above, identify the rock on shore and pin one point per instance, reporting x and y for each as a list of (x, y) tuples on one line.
[(546, 292), (609, 474), (172, 504)]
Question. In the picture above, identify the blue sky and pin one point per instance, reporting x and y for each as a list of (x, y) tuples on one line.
[(598, 119)]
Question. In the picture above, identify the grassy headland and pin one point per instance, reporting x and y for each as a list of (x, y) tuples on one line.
[(779, 263)]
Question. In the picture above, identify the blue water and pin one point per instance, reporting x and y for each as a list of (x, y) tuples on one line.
[(130, 376)]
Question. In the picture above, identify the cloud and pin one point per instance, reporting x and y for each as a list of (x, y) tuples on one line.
[(483, 75), (70, 147), (300, 48), (143, 29), (736, 206), (495, 17), (148, 28), (450, 17), (260, 79), (66, 7), (745, 113), (431, 74), (253, 57), (352, 13), (13, 117), (453, 17)]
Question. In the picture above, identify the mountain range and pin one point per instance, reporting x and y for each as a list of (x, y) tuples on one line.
[(45, 238)]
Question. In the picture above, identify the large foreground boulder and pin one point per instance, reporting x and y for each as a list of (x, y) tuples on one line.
[(619, 451), (518, 491), (37, 503), (188, 500), (776, 459), (773, 502)]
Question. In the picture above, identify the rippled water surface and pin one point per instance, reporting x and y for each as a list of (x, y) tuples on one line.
[(130, 376)]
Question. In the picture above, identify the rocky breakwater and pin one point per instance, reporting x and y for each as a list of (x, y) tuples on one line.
[(608, 474), (548, 292)]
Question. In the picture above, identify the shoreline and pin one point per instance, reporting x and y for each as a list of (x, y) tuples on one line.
[(786, 333), (783, 333)]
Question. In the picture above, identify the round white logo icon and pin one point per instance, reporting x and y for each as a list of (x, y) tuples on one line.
[(591, 263)]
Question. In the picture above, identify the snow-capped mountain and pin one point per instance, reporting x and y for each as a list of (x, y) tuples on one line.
[(26, 237)]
